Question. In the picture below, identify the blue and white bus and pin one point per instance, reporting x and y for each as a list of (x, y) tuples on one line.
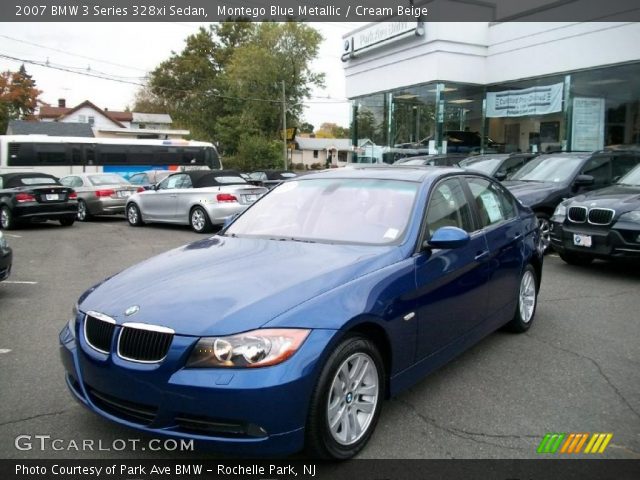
[(62, 156)]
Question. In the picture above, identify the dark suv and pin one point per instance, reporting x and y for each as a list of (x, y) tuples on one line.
[(601, 224), (547, 180)]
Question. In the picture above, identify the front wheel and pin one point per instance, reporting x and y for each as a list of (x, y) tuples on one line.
[(67, 221), (199, 220), (544, 225), (527, 301), (133, 215), (345, 406)]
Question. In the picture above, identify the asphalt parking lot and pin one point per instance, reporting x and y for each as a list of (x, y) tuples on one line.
[(576, 370)]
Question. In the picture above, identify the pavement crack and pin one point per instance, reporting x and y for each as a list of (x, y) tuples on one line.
[(595, 364), (33, 417), (461, 433)]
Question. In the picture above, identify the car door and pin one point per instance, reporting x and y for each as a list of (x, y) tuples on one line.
[(599, 167), (505, 236), (185, 193), (160, 204), (451, 285)]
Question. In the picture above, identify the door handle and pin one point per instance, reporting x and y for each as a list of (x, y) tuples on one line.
[(482, 254), (517, 236)]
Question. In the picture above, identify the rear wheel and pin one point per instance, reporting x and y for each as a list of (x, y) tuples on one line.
[(346, 403), (83, 211), (7, 222), (133, 215), (199, 220), (527, 302), (576, 258), (67, 221)]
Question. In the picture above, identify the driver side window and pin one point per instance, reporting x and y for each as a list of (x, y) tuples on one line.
[(171, 182), (448, 207)]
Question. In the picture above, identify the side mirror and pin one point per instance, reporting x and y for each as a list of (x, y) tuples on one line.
[(500, 176), (449, 238), (584, 181)]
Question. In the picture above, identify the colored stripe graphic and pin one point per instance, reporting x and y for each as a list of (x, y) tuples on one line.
[(551, 442), (572, 443)]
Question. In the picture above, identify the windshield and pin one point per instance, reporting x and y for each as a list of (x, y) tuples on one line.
[(107, 180), (416, 161), (361, 211), (484, 165), (556, 169), (631, 178)]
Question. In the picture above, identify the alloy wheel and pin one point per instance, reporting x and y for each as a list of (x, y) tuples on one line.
[(527, 299), (132, 215), (197, 220), (353, 398)]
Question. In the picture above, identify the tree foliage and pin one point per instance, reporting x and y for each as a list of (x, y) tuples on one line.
[(332, 130), (226, 84), (18, 97)]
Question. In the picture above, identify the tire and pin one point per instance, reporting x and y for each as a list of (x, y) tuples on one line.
[(7, 222), (576, 258), (199, 220), (544, 225), (331, 397), (84, 215), (67, 221), (134, 217), (527, 302)]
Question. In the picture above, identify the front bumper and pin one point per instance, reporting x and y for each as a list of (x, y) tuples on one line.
[(6, 259), (259, 412), (616, 241)]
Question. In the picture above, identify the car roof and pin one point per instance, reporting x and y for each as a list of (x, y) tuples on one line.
[(8, 176), (410, 173)]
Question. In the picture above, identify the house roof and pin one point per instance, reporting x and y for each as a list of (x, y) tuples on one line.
[(53, 129), (58, 113)]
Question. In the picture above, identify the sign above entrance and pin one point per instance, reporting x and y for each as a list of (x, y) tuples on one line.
[(379, 34), (528, 101)]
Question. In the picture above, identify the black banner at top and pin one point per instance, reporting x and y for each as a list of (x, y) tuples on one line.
[(318, 10)]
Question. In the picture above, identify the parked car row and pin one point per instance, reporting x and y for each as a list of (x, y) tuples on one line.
[(544, 182)]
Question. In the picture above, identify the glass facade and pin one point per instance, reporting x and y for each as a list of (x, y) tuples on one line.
[(585, 110)]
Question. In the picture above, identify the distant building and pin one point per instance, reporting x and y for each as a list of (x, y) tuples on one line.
[(318, 150), (111, 123)]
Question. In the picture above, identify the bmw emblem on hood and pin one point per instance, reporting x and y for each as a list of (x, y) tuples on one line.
[(132, 310)]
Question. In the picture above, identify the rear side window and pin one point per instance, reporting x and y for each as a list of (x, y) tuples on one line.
[(621, 165), (493, 204)]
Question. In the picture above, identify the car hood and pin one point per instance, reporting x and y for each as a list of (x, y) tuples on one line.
[(223, 285), (531, 193), (616, 197)]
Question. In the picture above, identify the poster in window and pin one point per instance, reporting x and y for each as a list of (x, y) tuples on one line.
[(587, 124)]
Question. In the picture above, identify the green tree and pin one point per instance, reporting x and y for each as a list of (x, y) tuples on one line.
[(18, 97), (227, 81)]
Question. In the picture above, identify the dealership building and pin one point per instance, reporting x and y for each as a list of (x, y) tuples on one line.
[(493, 86)]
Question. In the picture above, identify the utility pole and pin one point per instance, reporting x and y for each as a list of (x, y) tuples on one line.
[(284, 127)]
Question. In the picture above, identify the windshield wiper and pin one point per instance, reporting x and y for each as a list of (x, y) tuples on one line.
[(292, 239)]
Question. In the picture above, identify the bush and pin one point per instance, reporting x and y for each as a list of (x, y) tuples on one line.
[(298, 166), (317, 166)]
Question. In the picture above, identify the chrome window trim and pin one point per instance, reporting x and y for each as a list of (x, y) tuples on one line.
[(99, 316), (142, 326)]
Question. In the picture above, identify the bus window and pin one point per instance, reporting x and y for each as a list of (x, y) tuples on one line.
[(212, 160), (21, 154), (76, 155), (51, 153), (112, 155)]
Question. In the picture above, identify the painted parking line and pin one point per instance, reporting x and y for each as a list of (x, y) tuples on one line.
[(20, 282), (12, 235), (4, 350)]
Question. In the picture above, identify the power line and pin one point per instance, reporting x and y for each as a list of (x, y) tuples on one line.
[(108, 77), (72, 54)]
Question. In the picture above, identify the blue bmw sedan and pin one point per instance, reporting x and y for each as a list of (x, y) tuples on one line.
[(290, 326)]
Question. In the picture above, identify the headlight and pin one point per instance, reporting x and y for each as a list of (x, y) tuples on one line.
[(257, 348), (3, 242), (561, 211), (633, 217)]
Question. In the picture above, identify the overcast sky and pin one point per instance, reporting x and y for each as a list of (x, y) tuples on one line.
[(130, 50)]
